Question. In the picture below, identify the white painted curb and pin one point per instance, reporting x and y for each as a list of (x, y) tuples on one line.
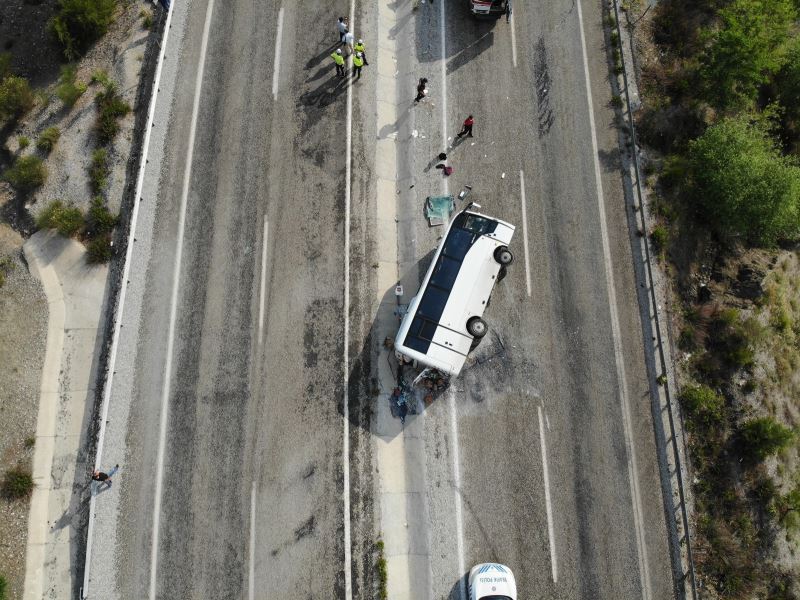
[(121, 302)]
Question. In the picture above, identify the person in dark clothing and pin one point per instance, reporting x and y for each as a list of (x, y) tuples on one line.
[(422, 89), (105, 477), (467, 129)]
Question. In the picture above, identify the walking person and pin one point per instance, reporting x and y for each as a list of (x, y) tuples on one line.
[(338, 58), (467, 129), (349, 39), (422, 89), (341, 27), (358, 62), (359, 47), (104, 477)]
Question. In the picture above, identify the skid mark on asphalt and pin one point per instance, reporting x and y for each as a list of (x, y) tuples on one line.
[(541, 74)]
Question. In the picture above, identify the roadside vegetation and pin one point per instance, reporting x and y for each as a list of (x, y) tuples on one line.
[(720, 122)]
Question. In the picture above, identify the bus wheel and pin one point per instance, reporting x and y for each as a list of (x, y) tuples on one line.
[(503, 256), (477, 327)]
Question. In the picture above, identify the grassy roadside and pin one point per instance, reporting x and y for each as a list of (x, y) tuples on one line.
[(720, 86)]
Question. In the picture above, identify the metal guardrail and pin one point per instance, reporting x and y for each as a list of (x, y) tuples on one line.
[(659, 336)]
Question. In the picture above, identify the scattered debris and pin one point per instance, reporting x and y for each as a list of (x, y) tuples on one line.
[(438, 209)]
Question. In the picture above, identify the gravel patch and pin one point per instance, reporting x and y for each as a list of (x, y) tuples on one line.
[(23, 333)]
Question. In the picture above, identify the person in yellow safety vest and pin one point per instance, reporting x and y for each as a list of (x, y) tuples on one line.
[(358, 62), (360, 47), (338, 58)]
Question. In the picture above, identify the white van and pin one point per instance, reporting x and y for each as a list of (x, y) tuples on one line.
[(445, 318)]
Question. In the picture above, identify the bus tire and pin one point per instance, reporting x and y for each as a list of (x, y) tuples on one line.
[(503, 256), (477, 327)]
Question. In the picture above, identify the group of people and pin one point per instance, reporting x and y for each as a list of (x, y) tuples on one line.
[(348, 43)]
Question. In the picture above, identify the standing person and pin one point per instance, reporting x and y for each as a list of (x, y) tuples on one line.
[(338, 58), (349, 38), (422, 89), (467, 129), (359, 47), (358, 62), (341, 27)]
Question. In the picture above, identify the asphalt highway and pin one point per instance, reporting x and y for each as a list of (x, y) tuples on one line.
[(246, 364)]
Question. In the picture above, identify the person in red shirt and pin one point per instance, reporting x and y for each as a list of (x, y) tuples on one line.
[(468, 123)]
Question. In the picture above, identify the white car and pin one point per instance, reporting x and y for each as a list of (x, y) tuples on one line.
[(492, 581)]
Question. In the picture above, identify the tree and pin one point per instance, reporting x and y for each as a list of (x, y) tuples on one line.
[(80, 23), (745, 50), (764, 437), (743, 186)]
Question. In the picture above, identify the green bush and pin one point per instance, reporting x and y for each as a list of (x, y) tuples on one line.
[(147, 18), (98, 171), (3, 585), (99, 221), (704, 406), (17, 483), (23, 141), (98, 250), (68, 90), (660, 238), (111, 108), (745, 50), (742, 184), (67, 220), (16, 97), (101, 76), (47, 140), (764, 436), (28, 173), (80, 23)]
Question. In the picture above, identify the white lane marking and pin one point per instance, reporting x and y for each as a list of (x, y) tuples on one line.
[(263, 290), (443, 50), (641, 548), (547, 502), (513, 41), (452, 399), (173, 310), (126, 269), (457, 492), (251, 578), (525, 231), (348, 559), (277, 57)]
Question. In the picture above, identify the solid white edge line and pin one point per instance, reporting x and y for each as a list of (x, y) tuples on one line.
[(524, 201), (462, 569), (263, 284), (641, 548), (443, 50), (125, 274), (277, 55), (165, 393), (251, 576), (547, 501), (513, 41), (348, 559), (452, 400)]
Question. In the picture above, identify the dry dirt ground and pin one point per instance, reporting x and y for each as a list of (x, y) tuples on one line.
[(23, 332), (23, 308)]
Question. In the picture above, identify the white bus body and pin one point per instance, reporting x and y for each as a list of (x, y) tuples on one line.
[(445, 316)]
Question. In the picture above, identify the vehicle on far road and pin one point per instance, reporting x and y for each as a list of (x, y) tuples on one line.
[(444, 320), (489, 8), (492, 581)]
